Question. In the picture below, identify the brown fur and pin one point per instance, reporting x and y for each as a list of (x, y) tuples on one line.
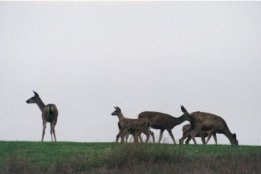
[(207, 122), (133, 126), (163, 122), (202, 134)]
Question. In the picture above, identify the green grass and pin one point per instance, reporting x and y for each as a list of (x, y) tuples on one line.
[(70, 157)]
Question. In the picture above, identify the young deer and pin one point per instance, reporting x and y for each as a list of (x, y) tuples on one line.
[(201, 134), (132, 126), (207, 122), (130, 132), (49, 114)]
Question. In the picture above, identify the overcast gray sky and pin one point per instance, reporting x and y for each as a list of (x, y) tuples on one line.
[(87, 57)]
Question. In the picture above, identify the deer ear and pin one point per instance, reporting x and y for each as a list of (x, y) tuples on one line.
[(117, 108), (35, 93), (183, 109)]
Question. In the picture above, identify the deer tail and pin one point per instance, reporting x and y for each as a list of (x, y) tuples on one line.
[(183, 109), (51, 109)]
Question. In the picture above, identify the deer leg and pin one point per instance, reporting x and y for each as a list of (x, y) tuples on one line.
[(209, 135), (161, 133), (152, 134), (140, 138), (51, 132), (127, 137), (53, 129), (171, 135), (185, 135), (194, 140), (44, 127), (136, 135), (147, 133), (194, 133), (54, 135), (208, 138), (215, 137), (123, 134), (188, 140), (203, 140), (118, 136)]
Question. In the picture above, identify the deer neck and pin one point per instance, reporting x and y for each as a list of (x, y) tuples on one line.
[(229, 135), (120, 116), (181, 119), (40, 104)]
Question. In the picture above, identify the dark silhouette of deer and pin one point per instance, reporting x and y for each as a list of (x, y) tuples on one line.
[(202, 134), (49, 114), (132, 126), (163, 121), (202, 121)]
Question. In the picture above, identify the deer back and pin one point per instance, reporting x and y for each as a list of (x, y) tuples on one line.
[(158, 120)]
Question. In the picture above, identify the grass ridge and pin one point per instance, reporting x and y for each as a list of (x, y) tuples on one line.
[(73, 157)]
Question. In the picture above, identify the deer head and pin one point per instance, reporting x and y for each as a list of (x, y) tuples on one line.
[(33, 99), (116, 112), (185, 113), (234, 140)]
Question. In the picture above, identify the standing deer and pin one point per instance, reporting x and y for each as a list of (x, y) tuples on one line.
[(49, 114), (130, 132), (163, 121), (201, 134), (133, 126), (206, 121)]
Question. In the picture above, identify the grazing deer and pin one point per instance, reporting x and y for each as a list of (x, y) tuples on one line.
[(201, 134), (49, 114), (207, 122), (133, 126), (163, 121)]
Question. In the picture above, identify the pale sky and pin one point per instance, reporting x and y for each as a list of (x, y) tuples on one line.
[(87, 57)]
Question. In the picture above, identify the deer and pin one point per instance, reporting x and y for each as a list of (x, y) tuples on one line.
[(203, 121), (130, 132), (163, 122), (49, 114), (132, 126), (201, 134)]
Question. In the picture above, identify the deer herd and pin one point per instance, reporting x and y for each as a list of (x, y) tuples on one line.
[(202, 124)]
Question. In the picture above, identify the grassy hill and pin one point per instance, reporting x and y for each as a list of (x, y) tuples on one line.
[(112, 158)]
